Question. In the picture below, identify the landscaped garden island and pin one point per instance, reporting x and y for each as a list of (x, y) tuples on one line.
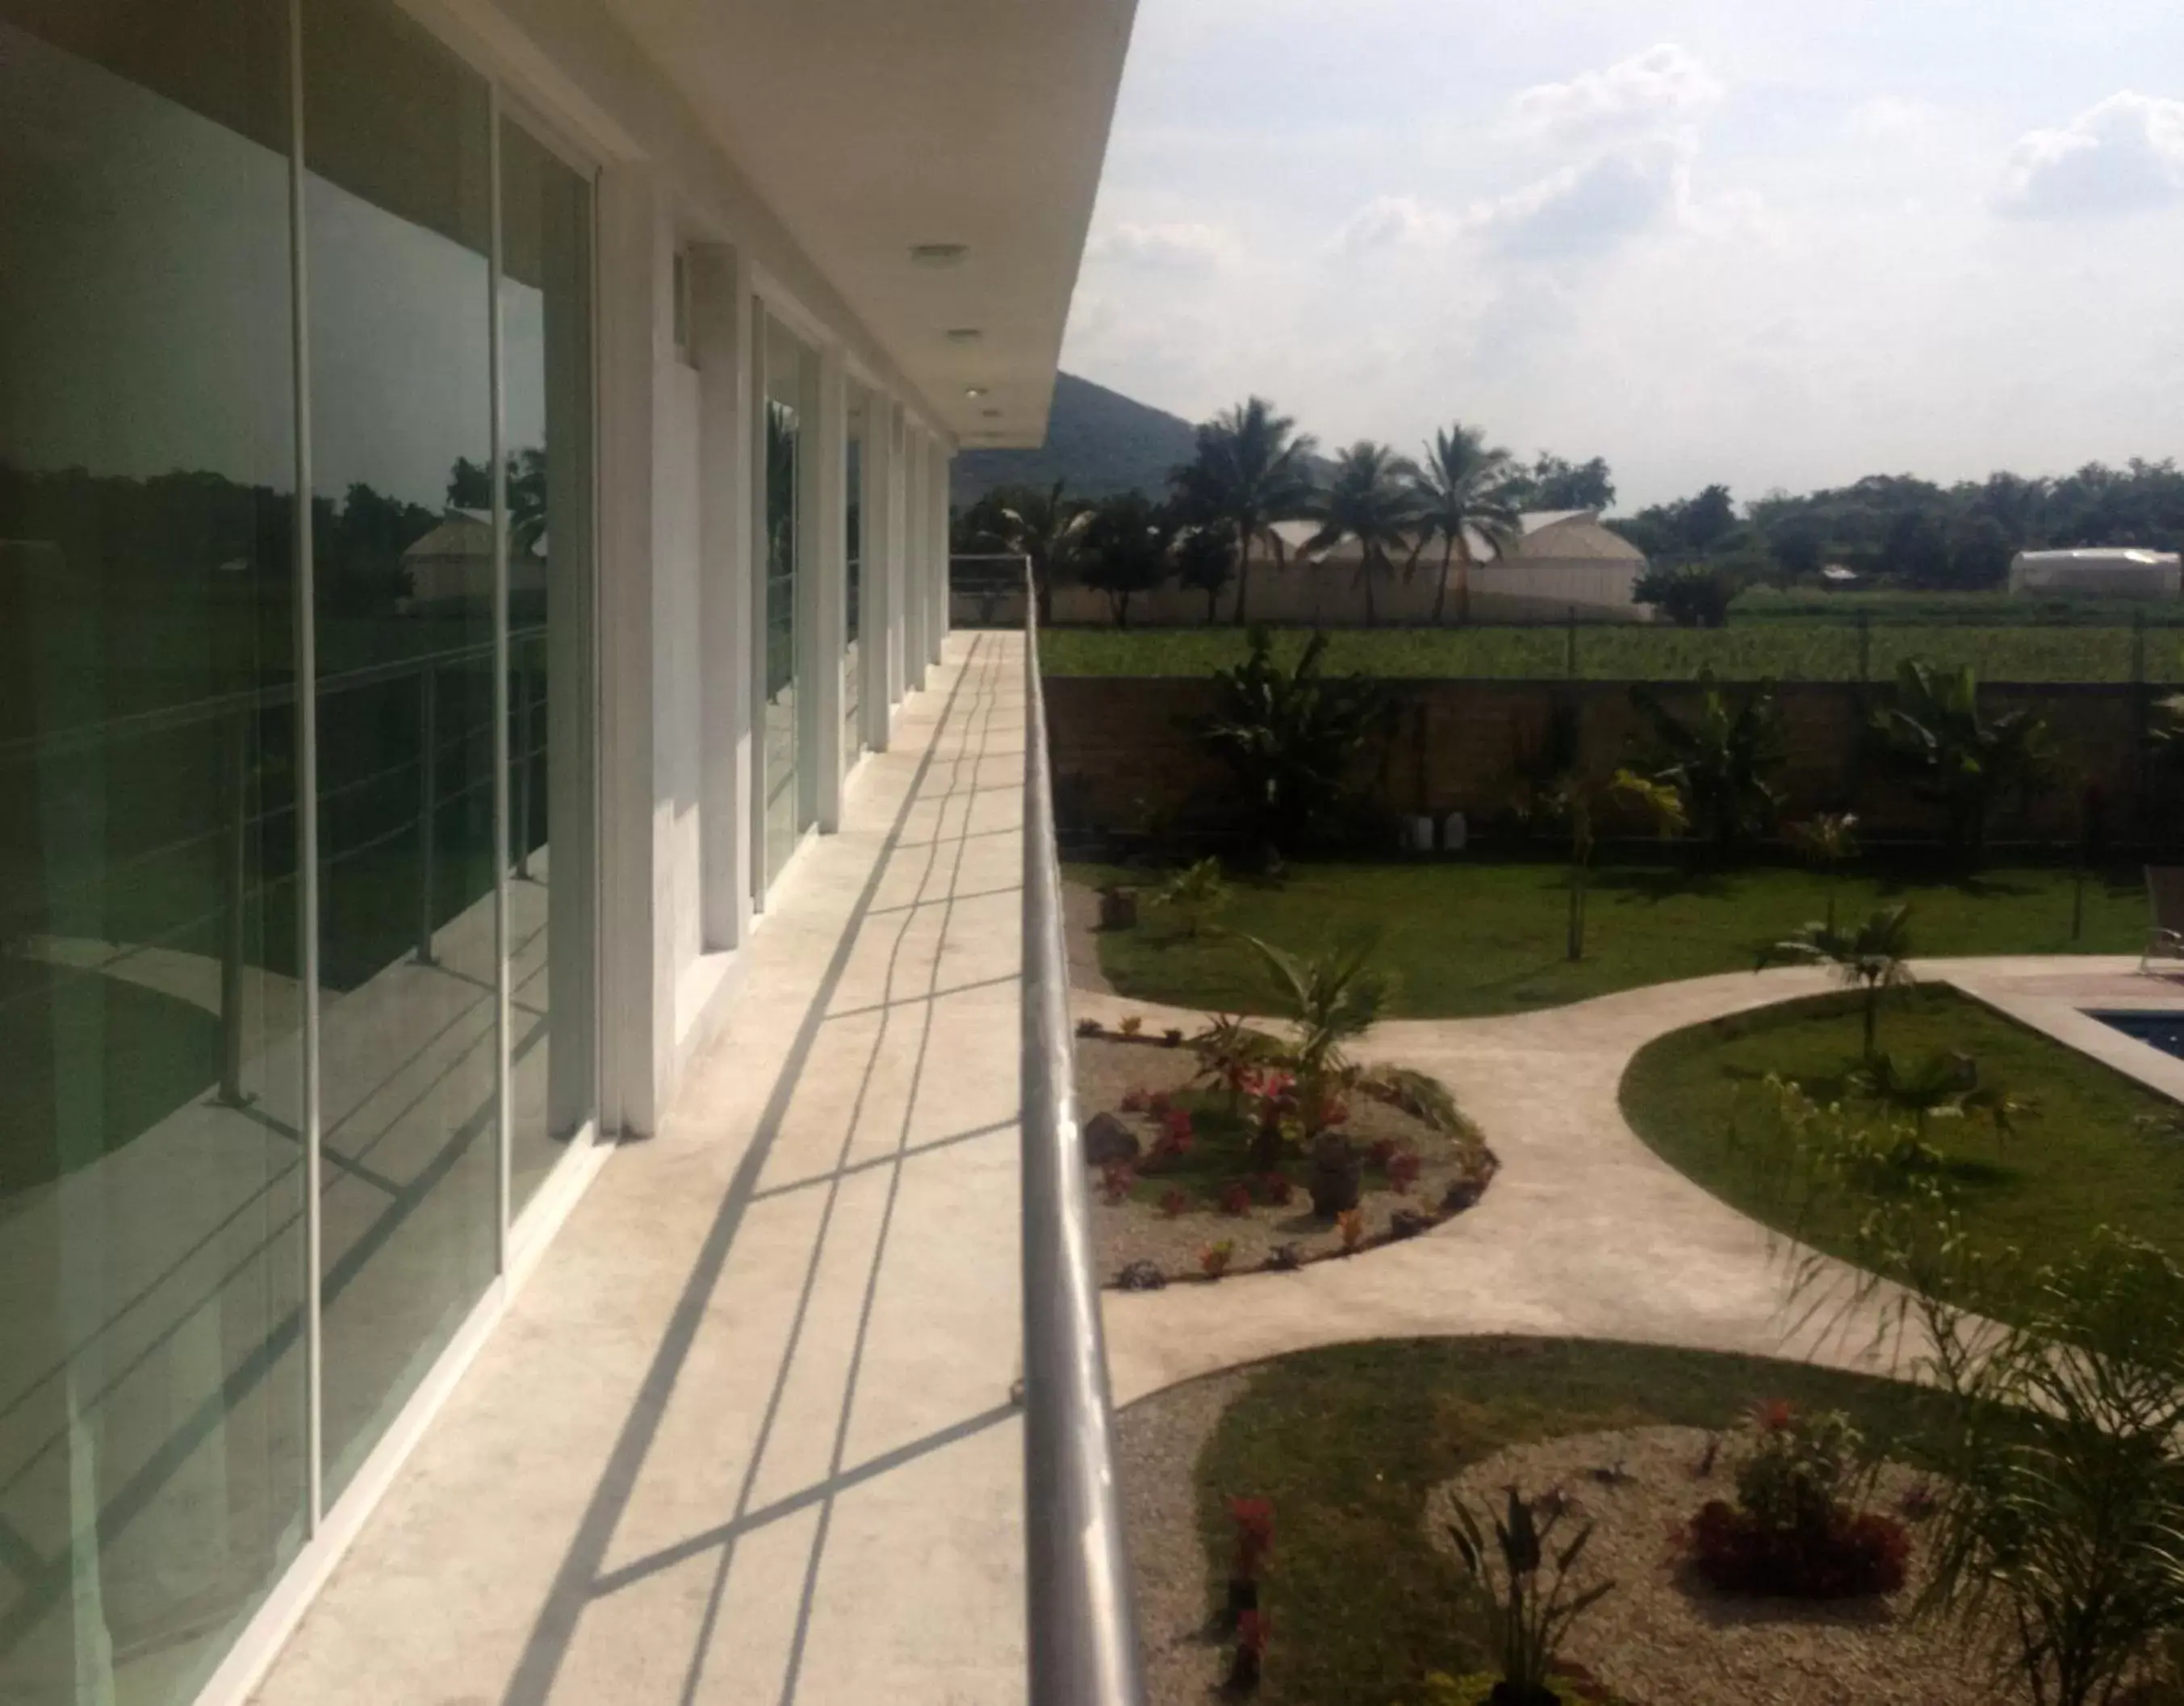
[(1632, 1251)]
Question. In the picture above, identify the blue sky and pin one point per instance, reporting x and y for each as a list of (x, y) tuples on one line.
[(1775, 243)]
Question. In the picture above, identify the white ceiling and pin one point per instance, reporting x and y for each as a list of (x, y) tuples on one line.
[(871, 126)]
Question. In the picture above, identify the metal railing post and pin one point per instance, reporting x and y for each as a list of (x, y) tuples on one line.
[(235, 873), (428, 696), (1083, 1638)]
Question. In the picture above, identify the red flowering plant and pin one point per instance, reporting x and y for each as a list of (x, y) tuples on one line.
[(1236, 1197), (1403, 1168)]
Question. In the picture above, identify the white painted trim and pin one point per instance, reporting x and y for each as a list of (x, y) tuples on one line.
[(829, 450), (541, 1219), (876, 585)]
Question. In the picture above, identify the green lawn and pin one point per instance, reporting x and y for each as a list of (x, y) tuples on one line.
[(1790, 647), (1348, 1441), (1486, 936), (2100, 1149)]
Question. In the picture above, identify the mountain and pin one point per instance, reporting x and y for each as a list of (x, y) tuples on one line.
[(1098, 440)]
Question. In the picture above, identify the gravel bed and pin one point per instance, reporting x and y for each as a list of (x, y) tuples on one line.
[(1108, 1069), (1157, 1441), (1664, 1638)]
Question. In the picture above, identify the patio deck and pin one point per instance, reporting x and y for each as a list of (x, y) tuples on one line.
[(746, 1433)]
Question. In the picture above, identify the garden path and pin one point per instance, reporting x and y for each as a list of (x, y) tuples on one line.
[(1585, 1231)]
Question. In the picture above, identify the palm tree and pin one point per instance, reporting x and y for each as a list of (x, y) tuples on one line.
[(1465, 486), (1251, 469), (1956, 755), (1373, 499), (1046, 528), (1719, 760), (1873, 959)]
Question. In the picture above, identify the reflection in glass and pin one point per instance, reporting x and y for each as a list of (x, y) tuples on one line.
[(151, 1365), (781, 752), (854, 487), (397, 215), (545, 308)]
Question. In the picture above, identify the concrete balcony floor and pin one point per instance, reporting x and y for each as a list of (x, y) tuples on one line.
[(746, 1435)]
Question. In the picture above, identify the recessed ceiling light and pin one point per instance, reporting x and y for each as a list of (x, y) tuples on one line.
[(974, 391), (964, 334), (938, 253), (991, 414)]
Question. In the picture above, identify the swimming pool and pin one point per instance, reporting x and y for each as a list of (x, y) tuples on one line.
[(2164, 1030)]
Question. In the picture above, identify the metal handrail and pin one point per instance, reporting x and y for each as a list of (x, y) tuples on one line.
[(1082, 1633)]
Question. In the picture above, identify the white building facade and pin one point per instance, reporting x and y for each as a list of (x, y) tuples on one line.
[(348, 922)]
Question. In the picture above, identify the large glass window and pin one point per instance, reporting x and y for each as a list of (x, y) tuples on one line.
[(546, 317), (152, 1408), (853, 570), (785, 750), (398, 212)]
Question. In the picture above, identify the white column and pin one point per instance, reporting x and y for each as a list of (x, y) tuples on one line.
[(720, 314), (897, 672), (635, 243), (829, 450), (876, 594), (936, 608), (917, 554)]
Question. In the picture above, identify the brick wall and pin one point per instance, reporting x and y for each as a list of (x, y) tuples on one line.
[(1125, 757)]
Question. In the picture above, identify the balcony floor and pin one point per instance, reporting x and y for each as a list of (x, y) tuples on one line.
[(746, 1433)]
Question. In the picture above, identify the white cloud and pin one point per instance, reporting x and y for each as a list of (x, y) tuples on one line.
[(2123, 155), (1388, 222), (1586, 209), (1173, 245), (1660, 89)]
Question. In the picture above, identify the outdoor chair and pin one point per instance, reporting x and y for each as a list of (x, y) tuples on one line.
[(2164, 935)]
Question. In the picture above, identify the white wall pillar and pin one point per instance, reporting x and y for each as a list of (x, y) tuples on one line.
[(634, 241), (720, 339), (936, 582), (828, 447), (876, 594), (898, 670), (917, 554)]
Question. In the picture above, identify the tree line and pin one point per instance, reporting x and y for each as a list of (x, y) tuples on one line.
[(1250, 468)]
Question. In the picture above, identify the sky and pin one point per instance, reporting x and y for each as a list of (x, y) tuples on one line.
[(1777, 243)]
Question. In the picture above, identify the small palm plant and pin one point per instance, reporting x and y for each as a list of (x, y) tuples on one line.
[(1576, 803), (1524, 1592), (1195, 894), (1873, 959), (1329, 1000), (1826, 841)]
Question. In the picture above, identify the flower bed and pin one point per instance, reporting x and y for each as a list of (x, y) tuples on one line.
[(1200, 1201)]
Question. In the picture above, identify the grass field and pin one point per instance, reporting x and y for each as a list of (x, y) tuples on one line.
[(1487, 936), (1787, 646), (2099, 1149), (1348, 1441)]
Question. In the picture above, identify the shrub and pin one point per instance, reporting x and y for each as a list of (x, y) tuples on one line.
[(1214, 1259), (1132, 1024), (1090, 1027), (1236, 1197), (1403, 1172), (1172, 1202), (1117, 1180), (1255, 1536), (1351, 1224), (1249, 1660), (1277, 1189), (1381, 1152), (1531, 1607), (1172, 1036), (1285, 1258), (1853, 1554), (1142, 1276), (1794, 1529)]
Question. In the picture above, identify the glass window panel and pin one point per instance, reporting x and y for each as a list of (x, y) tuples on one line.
[(152, 1364), (854, 489), (397, 208), (546, 216), (782, 756)]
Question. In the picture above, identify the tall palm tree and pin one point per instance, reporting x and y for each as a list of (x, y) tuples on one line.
[(1251, 468), (1465, 486), (1373, 499), (1046, 526)]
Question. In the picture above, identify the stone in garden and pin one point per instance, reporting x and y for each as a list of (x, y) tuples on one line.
[(1108, 1140)]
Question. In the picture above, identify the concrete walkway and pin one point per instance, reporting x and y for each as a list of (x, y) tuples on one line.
[(746, 1435), (1585, 1231)]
